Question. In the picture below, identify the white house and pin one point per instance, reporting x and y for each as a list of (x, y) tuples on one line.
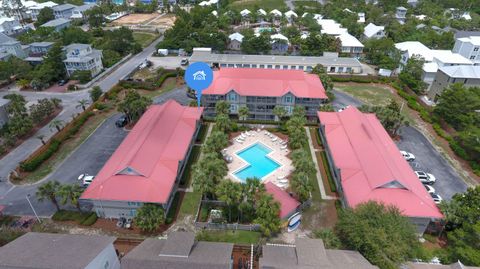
[(79, 12), (276, 13), (350, 45), (468, 47), (401, 14), (10, 26), (245, 13), (235, 41), (10, 46), (82, 57), (361, 17), (374, 31), (291, 15), (64, 11), (261, 12), (35, 10)]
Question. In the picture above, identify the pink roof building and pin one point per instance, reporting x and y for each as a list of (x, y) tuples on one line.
[(263, 89), (288, 204), (369, 165), (146, 165)]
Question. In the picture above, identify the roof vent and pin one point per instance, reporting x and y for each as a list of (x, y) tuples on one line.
[(394, 184), (129, 172)]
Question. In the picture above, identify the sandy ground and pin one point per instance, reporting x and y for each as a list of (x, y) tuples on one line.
[(135, 19), (166, 21)]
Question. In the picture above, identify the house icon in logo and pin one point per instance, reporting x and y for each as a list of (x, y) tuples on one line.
[(199, 75)]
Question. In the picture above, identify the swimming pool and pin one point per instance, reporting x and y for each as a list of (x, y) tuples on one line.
[(259, 164)]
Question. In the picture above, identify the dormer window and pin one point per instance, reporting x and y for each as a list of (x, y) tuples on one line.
[(129, 171)]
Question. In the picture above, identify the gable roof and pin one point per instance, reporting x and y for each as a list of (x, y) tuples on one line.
[(266, 82), (310, 254), (415, 48), (150, 254), (371, 166), (236, 36), (462, 71), (287, 203), (56, 22), (63, 7), (46, 250), (153, 149), (372, 29), (5, 39)]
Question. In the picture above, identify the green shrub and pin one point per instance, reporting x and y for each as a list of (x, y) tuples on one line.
[(331, 181), (33, 163), (68, 215), (100, 106), (90, 220), (458, 149)]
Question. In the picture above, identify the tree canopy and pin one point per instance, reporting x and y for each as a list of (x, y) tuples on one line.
[(149, 217), (380, 233)]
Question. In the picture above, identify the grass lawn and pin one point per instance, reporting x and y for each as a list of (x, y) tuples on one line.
[(267, 5), (307, 4), (313, 179), (374, 95), (168, 85), (144, 38), (68, 147), (369, 94), (239, 237), (190, 204)]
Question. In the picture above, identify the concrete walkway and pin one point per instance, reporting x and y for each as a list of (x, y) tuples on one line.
[(319, 176)]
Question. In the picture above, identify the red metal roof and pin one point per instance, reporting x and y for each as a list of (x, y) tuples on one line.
[(371, 165), (144, 166), (266, 82), (287, 203)]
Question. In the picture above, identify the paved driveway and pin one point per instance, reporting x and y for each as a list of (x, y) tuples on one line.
[(179, 95), (88, 158), (429, 160)]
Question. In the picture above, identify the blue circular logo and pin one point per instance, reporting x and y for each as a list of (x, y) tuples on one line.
[(199, 76)]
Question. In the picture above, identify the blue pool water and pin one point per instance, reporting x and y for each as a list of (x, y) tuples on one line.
[(259, 164)]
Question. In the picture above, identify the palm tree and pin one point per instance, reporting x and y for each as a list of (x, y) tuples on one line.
[(268, 215), (229, 192), (49, 191), (216, 141), (223, 123), (70, 194), (57, 124), (243, 113), (23, 83), (41, 138), (222, 107), (280, 112), (82, 103)]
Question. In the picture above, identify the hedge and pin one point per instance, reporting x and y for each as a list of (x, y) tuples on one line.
[(331, 181), (34, 161), (69, 215), (90, 220)]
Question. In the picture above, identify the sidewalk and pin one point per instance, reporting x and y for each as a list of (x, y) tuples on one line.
[(319, 177)]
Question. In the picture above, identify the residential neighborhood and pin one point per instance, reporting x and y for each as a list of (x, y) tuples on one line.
[(240, 134)]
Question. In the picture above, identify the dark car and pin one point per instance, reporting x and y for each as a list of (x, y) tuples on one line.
[(62, 82), (122, 121)]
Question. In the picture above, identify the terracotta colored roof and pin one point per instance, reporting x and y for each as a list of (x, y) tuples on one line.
[(371, 165), (144, 166), (266, 82), (287, 203)]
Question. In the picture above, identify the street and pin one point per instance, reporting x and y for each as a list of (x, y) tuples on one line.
[(69, 102), (88, 158)]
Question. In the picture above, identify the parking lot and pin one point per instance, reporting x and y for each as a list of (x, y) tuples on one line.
[(429, 160)]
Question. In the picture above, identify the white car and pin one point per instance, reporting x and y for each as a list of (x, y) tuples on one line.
[(436, 198), (429, 189), (407, 155), (425, 178), (342, 108), (86, 179)]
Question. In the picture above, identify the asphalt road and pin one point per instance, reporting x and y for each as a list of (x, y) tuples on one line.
[(427, 157), (429, 160), (88, 158)]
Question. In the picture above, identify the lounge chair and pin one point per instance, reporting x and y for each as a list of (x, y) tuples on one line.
[(242, 135), (280, 177), (281, 185), (283, 147), (274, 139), (283, 181), (239, 140)]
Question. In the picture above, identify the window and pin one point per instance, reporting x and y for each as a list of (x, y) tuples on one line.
[(472, 57), (349, 69), (285, 67), (262, 66), (300, 67), (340, 69), (277, 66), (231, 65), (476, 48), (332, 69), (288, 99), (269, 66), (223, 65), (309, 68), (293, 67), (233, 108), (232, 96)]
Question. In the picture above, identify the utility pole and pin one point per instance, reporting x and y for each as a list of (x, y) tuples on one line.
[(33, 209)]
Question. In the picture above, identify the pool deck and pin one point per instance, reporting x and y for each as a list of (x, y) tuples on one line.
[(277, 154)]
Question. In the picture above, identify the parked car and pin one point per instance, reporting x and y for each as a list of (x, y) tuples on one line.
[(436, 198), (86, 179), (122, 121), (408, 156), (342, 108), (184, 61), (425, 178), (429, 189), (62, 82), (128, 223), (121, 221)]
